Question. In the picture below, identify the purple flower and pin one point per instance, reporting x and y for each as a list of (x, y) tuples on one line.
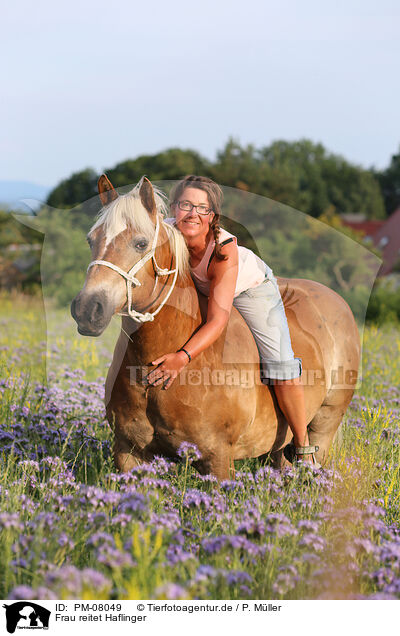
[(100, 538), (69, 582), (233, 577), (307, 524), (230, 485), (113, 558), (205, 572), (196, 498), (22, 592), (188, 451), (169, 520), (286, 580), (176, 554), (95, 579), (171, 591), (313, 541), (214, 544), (11, 520), (44, 594), (65, 541), (252, 528)]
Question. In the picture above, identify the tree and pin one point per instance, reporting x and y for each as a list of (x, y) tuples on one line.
[(389, 180), (238, 167), (301, 174), (80, 190), (168, 165), (79, 187), (352, 189)]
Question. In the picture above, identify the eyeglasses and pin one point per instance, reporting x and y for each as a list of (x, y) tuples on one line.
[(186, 206)]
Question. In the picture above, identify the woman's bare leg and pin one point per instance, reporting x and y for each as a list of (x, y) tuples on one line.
[(290, 396)]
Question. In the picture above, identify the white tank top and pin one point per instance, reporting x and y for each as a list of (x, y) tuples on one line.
[(252, 270)]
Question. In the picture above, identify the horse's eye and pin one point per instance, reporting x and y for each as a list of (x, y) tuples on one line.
[(90, 242), (141, 244)]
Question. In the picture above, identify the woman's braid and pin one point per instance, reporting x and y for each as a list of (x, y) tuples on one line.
[(216, 230)]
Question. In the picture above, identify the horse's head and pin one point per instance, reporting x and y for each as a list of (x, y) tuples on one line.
[(132, 259)]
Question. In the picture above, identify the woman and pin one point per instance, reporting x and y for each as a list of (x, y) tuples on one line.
[(228, 275)]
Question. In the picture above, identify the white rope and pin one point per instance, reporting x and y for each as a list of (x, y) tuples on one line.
[(126, 275), (131, 280)]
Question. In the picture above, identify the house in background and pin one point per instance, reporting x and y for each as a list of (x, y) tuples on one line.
[(383, 234)]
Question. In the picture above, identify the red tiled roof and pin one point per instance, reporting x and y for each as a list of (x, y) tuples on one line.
[(385, 235), (368, 228)]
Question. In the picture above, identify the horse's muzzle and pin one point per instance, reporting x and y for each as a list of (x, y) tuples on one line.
[(92, 313)]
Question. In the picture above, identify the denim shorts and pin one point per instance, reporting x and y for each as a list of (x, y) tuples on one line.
[(264, 312)]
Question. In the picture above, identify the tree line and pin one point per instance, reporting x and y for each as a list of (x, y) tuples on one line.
[(301, 174)]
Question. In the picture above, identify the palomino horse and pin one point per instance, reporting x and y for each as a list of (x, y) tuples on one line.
[(140, 269)]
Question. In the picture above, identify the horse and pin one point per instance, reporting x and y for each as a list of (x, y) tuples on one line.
[(140, 270)]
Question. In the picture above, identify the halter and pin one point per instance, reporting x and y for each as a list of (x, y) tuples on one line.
[(132, 281)]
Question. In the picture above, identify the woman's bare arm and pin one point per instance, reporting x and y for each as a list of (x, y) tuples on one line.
[(223, 277)]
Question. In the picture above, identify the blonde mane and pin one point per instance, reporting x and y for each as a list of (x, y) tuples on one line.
[(128, 211)]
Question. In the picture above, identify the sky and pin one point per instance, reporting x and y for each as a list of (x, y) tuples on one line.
[(91, 83)]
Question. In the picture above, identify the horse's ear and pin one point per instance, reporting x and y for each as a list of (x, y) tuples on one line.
[(147, 196), (106, 190)]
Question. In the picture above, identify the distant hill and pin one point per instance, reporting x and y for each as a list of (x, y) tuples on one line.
[(12, 191)]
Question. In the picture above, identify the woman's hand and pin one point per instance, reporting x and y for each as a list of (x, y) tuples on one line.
[(169, 367)]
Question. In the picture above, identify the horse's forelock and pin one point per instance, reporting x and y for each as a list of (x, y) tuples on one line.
[(128, 211)]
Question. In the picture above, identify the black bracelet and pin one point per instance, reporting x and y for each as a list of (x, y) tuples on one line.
[(187, 353)]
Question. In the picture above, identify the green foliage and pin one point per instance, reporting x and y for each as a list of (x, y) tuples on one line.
[(300, 174), (384, 305), (13, 232), (389, 181), (168, 165), (303, 175), (297, 246), (294, 244), (352, 189), (79, 187), (65, 257), (20, 249)]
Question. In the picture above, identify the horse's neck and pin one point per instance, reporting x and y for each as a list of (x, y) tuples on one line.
[(170, 329)]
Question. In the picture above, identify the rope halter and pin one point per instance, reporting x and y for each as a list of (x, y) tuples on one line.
[(131, 281)]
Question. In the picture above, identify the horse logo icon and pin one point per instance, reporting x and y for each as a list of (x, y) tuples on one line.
[(26, 615)]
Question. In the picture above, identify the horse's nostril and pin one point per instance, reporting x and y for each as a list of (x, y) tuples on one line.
[(75, 306), (97, 312)]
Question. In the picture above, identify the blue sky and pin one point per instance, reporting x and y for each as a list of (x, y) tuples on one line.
[(91, 83)]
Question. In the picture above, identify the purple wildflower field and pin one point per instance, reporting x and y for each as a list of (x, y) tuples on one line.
[(71, 527)]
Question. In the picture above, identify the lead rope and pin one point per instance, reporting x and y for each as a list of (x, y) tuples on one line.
[(137, 316)]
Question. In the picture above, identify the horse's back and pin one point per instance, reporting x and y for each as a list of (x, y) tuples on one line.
[(321, 320), (324, 335), (322, 329)]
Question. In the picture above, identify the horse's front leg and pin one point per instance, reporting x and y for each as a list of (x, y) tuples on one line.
[(218, 463), (126, 414), (125, 457)]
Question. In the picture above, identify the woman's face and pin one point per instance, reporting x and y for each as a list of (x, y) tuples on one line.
[(192, 224)]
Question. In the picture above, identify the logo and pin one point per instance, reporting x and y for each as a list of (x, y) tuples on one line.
[(26, 615)]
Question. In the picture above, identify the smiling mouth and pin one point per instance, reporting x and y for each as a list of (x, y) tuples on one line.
[(192, 222)]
